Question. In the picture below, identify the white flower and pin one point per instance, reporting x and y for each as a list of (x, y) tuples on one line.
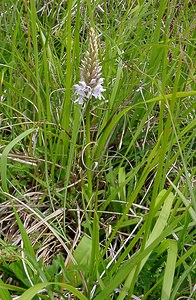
[(97, 91), (80, 89), (90, 84)]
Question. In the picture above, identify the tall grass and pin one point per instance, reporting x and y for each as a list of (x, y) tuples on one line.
[(97, 199)]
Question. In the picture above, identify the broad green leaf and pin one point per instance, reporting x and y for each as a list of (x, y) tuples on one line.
[(162, 219), (11, 287), (82, 255), (34, 290), (169, 270), (4, 293)]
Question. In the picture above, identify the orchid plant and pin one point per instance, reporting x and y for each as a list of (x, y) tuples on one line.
[(90, 86)]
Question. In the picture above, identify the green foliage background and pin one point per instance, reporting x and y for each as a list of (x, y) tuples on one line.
[(97, 202)]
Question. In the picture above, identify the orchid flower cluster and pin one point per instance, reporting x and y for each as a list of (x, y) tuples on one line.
[(90, 84)]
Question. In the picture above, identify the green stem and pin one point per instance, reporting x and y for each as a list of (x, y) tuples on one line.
[(88, 154), (75, 130)]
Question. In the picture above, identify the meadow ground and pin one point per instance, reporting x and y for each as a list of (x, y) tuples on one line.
[(97, 149)]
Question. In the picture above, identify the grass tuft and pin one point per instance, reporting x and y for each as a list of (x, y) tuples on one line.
[(97, 156)]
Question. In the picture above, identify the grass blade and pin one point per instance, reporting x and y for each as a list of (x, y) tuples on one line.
[(34, 290), (5, 153), (4, 293), (169, 270)]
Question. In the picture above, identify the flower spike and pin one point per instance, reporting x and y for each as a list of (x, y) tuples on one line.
[(90, 84)]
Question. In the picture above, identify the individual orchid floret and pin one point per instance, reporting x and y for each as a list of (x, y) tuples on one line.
[(90, 84)]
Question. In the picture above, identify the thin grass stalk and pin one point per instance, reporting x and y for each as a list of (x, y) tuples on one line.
[(65, 120), (125, 269), (14, 45), (156, 231), (62, 143), (163, 151), (29, 32), (36, 55), (147, 169)]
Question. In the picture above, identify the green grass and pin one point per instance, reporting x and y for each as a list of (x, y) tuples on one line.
[(97, 201)]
